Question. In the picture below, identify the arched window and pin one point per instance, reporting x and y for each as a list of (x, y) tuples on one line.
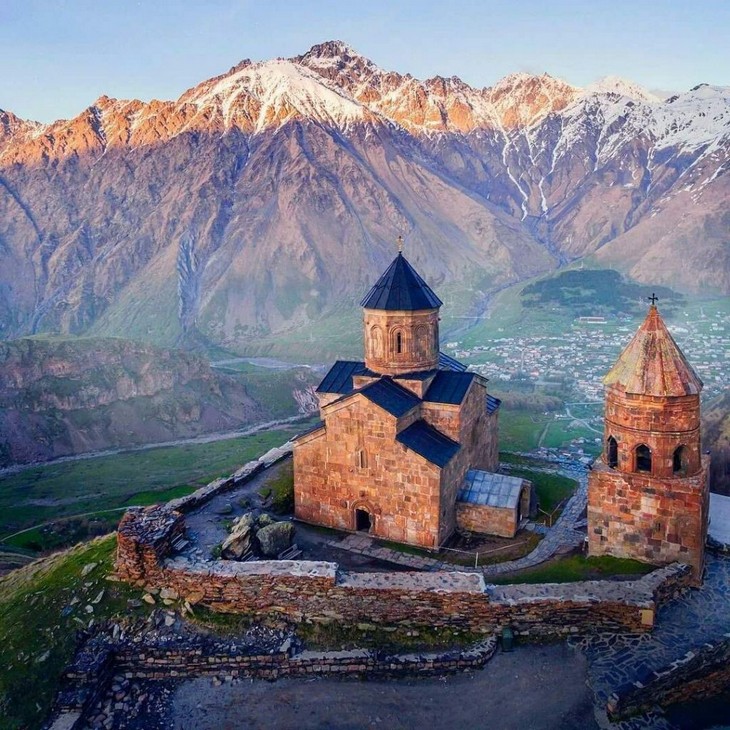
[(362, 459), (679, 460), (643, 458), (398, 339), (612, 452)]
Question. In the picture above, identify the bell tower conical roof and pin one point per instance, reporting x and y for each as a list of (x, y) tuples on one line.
[(652, 363), (401, 288)]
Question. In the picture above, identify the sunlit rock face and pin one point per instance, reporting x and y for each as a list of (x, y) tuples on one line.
[(268, 197)]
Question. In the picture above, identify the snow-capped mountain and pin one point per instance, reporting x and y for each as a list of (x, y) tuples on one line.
[(262, 198)]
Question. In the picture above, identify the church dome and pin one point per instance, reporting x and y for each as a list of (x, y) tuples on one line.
[(401, 289)]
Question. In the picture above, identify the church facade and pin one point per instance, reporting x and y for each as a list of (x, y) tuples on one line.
[(648, 494), (407, 436)]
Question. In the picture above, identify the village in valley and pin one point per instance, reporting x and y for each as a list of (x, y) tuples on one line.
[(570, 363)]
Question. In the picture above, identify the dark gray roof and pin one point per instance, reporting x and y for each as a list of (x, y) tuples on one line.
[(390, 396), (492, 403), (431, 444), (400, 288), (339, 377), (415, 375), (491, 490), (448, 387), (448, 363)]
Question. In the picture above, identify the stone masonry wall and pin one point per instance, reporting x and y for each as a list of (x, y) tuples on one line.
[(660, 423), (399, 488), (479, 430), (319, 592), (701, 673), (648, 518), (483, 519), (177, 657), (419, 340)]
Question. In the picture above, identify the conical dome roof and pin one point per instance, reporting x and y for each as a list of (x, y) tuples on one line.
[(653, 364), (401, 288)]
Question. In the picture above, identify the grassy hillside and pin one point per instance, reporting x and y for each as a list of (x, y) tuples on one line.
[(549, 305), (87, 497), (42, 606)]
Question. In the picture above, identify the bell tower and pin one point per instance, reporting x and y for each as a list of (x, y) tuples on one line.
[(401, 315), (648, 494)]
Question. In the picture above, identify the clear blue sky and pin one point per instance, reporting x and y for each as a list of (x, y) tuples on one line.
[(58, 56)]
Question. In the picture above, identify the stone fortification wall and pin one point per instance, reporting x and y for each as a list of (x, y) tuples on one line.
[(182, 657), (319, 592), (698, 675)]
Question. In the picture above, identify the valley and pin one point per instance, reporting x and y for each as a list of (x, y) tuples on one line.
[(251, 213), (72, 501)]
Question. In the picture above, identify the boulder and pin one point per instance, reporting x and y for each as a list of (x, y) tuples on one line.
[(275, 538), (238, 543), (265, 520)]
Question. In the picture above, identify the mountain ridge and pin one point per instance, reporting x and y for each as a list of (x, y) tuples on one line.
[(268, 197)]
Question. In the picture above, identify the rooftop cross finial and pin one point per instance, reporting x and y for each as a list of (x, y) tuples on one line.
[(653, 299), (400, 244)]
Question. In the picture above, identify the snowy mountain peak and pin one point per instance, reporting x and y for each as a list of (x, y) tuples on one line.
[(622, 87), (334, 50), (266, 94)]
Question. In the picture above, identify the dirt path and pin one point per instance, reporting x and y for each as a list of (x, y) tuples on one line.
[(540, 688)]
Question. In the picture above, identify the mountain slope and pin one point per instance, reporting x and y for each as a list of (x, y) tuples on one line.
[(61, 397), (269, 197)]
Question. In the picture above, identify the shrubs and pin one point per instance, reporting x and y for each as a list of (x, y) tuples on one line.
[(282, 490)]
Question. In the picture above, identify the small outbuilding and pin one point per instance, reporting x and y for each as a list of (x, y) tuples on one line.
[(494, 504)]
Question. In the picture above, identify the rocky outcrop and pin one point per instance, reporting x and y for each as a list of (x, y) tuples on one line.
[(65, 397), (261, 200), (239, 542), (716, 440), (275, 538)]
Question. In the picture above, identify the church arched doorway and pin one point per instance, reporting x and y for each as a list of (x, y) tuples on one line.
[(363, 520)]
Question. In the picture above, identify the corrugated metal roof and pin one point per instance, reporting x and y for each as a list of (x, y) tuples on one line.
[(400, 288), (653, 364), (449, 363), (493, 403), (491, 490), (339, 377), (390, 396), (431, 444), (448, 387)]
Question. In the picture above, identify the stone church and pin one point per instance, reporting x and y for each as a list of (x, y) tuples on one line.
[(407, 444), (648, 494)]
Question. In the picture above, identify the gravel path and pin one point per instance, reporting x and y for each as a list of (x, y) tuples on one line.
[(540, 688)]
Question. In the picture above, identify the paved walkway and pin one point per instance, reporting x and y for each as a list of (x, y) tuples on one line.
[(720, 518), (684, 624), (565, 534)]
